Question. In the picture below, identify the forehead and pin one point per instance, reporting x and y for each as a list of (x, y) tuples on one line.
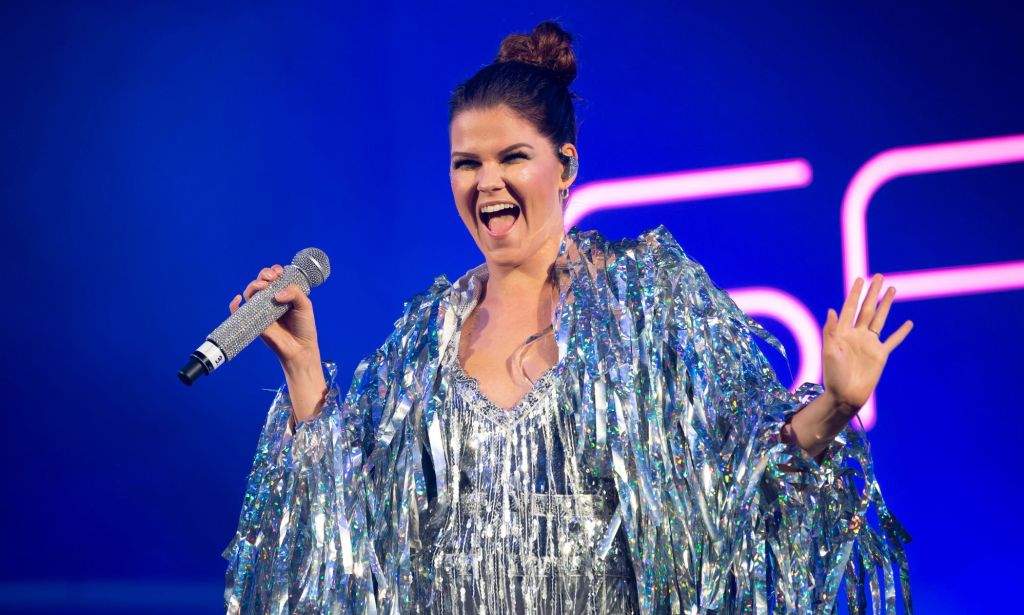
[(491, 129)]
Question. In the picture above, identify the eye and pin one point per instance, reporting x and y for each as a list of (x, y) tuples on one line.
[(463, 163), (516, 156)]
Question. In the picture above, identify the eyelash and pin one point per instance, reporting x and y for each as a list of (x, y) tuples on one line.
[(465, 161)]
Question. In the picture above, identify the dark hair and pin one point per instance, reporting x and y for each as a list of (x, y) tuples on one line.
[(531, 75)]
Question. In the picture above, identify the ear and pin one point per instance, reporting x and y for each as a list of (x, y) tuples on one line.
[(570, 164)]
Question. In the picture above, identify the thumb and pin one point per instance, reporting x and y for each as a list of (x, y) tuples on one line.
[(831, 319)]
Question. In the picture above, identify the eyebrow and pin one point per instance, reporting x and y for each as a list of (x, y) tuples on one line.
[(502, 152)]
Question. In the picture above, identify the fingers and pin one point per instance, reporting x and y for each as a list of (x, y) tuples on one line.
[(867, 308), (873, 312), (263, 280), (830, 320), (270, 273), (290, 294), (898, 336), (850, 305), (294, 295), (883, 310)]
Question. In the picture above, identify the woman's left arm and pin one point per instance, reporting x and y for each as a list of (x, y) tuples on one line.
[(852, 358), (798, 527)]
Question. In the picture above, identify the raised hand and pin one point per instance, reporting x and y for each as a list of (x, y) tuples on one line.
[(853, 353), (293, 339)]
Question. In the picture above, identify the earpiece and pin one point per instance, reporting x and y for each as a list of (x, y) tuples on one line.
[(572, 165)]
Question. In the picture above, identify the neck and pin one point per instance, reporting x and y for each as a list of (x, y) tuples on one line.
[(525, 283)]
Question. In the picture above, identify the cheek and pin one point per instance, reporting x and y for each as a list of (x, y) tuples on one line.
[(462, 193), (541, 186), (536, 182), (461, 188)]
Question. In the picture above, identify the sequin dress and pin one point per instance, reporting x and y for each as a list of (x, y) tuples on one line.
[(642, 474), (525, 529)]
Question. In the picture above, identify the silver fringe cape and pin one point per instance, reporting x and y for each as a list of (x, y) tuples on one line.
[(643, 473)]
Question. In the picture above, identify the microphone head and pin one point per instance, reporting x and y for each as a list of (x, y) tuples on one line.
[(314, 264)]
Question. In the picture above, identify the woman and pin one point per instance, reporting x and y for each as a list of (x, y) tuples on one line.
[(574, 426)]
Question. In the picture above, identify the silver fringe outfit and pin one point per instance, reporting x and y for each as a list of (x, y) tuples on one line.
[(643, 473)]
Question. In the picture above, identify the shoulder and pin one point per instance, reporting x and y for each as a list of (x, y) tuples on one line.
[(655, 268), (422, 308), (655, 252), (649, 277), (428, 298)]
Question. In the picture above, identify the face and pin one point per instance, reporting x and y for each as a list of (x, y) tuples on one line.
[(506, 180)]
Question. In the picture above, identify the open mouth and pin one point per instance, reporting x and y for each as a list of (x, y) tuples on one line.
[(499, 218)]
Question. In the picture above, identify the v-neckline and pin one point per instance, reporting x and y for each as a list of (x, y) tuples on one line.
[(523, 403), (471, 284), (475, 383)]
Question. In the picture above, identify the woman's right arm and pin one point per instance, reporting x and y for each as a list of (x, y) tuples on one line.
[(303, 543)]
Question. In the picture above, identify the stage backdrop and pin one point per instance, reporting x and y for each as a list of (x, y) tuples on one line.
[(155, 156)]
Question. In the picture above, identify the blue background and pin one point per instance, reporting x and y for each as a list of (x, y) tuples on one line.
[(155, 156)]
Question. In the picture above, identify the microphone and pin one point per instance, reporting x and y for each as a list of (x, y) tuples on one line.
[(309, 269)]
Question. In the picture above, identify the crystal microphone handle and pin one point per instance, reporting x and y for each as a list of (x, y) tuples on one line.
[(239, 330)]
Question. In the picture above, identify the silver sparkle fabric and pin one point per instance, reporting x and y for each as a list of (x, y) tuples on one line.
[(523, 509), (642, 474)]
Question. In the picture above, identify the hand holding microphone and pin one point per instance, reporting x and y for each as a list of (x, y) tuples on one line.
[(292, 337), (278, 311)]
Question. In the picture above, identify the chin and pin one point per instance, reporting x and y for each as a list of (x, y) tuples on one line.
[(507, 256)]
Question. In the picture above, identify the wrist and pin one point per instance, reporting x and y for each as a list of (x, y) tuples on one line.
[(303, 367), (837, 406), (307, 388)]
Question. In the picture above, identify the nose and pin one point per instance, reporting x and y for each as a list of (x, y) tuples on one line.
[(489, 178)]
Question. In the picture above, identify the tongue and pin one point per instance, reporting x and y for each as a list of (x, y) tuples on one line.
[(499, 225)]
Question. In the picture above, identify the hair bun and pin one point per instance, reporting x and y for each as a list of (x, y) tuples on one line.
[(548, 46)]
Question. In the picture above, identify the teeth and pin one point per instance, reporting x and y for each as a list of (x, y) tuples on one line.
[(490, 209)]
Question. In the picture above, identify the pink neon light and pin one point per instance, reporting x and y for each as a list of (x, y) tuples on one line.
[(687, 186), (788, 310), (930, 283), (949, 281)]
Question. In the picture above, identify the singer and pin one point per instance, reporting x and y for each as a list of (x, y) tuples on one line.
[(576, 425)]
